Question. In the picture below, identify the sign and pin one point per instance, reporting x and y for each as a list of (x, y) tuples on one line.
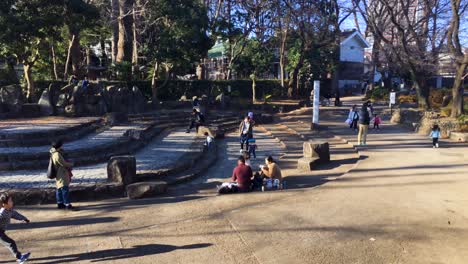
[(392, 98), (315, 114)]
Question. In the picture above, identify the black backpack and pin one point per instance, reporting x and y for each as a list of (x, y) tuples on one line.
[(51, 170)]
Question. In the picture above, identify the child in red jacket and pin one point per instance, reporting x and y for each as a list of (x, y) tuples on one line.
[(377, 121)]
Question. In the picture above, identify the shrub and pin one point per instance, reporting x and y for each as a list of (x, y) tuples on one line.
[(412, 98), (378, 94), (437, 96)]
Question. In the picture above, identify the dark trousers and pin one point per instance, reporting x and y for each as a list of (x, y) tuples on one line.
[(252, 152), (195, 124), (10, 244), (63, 195), (353, 124), (376, 126), (244, 139), (435, 141)]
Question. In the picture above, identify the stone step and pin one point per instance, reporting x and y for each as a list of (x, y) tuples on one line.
[(37, 132), (95, 148)]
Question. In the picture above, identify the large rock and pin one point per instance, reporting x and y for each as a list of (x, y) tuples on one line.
[(307, 164), (317, 149), (121, 169), (213, 131), (45, 103), (12, 96), (446, 100), (138, 102), (146, 189), (30, 110), (115, 118)]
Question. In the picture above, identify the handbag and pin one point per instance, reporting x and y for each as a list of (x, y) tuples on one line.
[(51, 170)]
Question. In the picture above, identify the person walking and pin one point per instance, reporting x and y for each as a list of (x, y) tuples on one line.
[(364, 121), (197, 119), (245, 132), (353, 118), (63, 177), (6, 213), (435, 135)]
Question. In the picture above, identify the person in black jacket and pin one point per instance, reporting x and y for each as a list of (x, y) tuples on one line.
[(196, 120), (364, 121)]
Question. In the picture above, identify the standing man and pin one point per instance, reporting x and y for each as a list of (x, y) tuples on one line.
[(364, 121)]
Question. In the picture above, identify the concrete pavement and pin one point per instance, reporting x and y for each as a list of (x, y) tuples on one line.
[(404, 202)]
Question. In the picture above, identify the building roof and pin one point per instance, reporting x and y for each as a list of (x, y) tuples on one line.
[(218, 50), (347, 35)]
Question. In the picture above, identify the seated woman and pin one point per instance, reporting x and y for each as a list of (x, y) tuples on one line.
[(272, 170)]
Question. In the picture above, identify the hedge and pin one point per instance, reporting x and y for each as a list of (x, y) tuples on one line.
[(174, 89)]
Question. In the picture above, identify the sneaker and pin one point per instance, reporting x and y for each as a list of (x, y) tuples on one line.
[(71, 208), (437, 145), (187, 131), (24, 258), (60, 206)]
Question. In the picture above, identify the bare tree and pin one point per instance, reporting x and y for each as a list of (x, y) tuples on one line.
[(458, 8), (125, 42)]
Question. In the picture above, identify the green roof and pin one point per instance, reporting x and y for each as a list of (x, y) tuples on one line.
[(217, 50)]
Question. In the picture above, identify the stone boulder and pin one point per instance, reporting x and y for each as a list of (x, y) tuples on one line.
[(146, 189), (213, 131), (12, 96), (121, 169), (114, 118), (307, 164), (446, 100), (317, 149), (138, 101), (45, 103)]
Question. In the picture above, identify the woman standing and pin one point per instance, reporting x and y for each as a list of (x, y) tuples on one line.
[(245, 131), (63, 177)]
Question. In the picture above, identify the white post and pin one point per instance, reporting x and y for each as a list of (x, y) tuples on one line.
[(315, 114)]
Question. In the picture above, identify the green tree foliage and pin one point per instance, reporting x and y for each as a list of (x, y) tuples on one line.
[(25, 25), (176, 33)]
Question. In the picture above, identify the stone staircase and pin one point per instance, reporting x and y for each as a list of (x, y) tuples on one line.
[(149, 137)]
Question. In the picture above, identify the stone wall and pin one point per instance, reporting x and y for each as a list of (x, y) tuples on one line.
[(422, 122)]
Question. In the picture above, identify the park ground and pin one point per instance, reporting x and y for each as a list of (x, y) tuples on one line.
[(401, 202)]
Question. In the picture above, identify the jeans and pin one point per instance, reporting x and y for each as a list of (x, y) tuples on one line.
[(10, 244), (252, 152), (193, 124), (376, 126), (362, 136), (244, 139), (63, 195), (435, 141)]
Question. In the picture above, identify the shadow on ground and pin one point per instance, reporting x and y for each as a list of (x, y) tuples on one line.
[(116, 254)]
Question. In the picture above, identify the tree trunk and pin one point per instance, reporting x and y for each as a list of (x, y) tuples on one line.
[(11, 72), (75, 52), (54, 62), (103, 52), (125, 46), (294, 76), (154, 88), (88, 60), (136, 38), (282, 59), (458, 90), (115, 28), (421, 89), (31, 89), (254, 85), (67, 62)]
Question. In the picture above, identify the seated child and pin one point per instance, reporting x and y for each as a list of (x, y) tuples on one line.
[(252, 147)]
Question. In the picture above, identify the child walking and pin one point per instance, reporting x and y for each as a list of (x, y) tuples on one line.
[(377, 121), (252, 147), (6, 213), (435, 135)]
